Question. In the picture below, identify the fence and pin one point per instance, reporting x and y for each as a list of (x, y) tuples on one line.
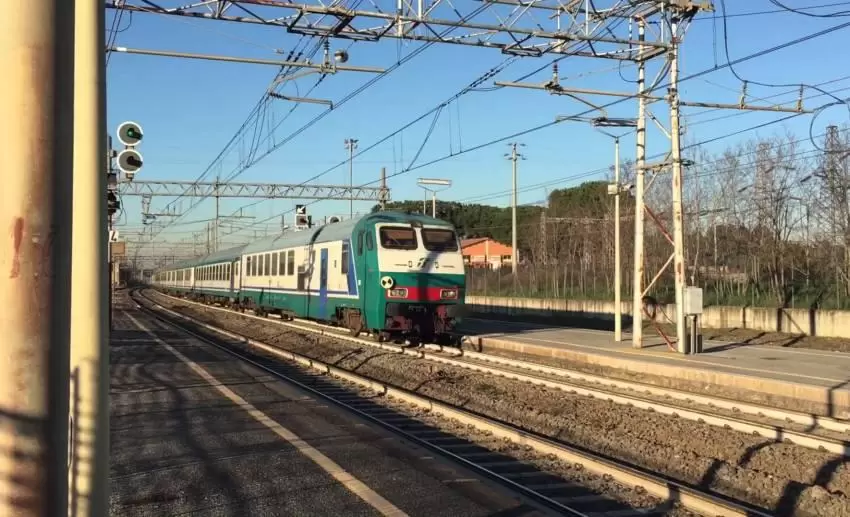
[(600, 314)]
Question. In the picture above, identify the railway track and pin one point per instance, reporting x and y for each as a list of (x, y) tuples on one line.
[(807, 430), (577, 502)]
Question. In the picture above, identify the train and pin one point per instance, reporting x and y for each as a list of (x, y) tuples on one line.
[(394, 275)]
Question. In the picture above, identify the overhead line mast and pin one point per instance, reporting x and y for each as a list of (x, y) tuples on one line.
[(514, 27)]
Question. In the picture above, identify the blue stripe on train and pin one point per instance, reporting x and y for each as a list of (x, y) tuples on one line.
[(351, 276)]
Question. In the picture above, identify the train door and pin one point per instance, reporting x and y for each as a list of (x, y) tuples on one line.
[(323, 284), (370, 294), (359, 249)]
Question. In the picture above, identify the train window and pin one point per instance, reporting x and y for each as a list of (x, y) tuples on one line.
[(360, 243), (267, 265), (344, 258), (281, 263), (439, 240), (274, 264), (290, 262), (370, 241), (398, 238), (248, 269)]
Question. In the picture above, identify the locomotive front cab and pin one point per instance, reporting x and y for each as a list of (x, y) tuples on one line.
[(421, 278)]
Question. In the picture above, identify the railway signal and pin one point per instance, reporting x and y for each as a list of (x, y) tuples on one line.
[(302, 220), (130, 160), (130, 133)]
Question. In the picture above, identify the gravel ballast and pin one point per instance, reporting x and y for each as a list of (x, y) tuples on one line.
[(783, 478)]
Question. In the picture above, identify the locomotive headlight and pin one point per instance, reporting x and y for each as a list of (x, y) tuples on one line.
[(398, 292), (448, 294), (387, 282)]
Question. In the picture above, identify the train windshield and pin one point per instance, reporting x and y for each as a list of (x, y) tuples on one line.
[(398, 238), (439, 240)]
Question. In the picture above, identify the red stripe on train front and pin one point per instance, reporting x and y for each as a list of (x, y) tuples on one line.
[(423, 294)]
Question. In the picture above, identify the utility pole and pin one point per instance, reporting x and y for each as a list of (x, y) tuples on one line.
[(618, 302), (384, 193), (678, 222), (36, 121), (640, 182), (90, 312), (514, 157), (351, 145), (217, 197)]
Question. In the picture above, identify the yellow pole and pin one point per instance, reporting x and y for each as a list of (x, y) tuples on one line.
[(36, 122), (89, 483)]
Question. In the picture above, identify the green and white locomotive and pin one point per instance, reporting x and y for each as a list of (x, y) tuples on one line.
[(395, 275)]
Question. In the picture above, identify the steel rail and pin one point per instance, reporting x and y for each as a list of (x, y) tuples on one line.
[(691, 498), (523, 491), (472, 360)]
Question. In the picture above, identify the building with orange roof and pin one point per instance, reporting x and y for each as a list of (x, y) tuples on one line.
[(485, 252)]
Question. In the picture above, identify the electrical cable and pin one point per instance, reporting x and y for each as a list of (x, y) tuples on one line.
[(730, 63), (820, 110), (836, 14), (350, 96)]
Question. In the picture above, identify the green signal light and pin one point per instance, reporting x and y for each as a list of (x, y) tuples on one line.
[(133, 133)]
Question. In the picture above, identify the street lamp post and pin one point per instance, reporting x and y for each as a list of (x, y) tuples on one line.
[(425, 183), (615, 190)]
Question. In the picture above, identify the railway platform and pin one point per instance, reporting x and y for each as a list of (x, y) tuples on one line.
[(194, 430), (815, 377)]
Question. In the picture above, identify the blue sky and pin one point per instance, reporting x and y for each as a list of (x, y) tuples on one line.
[(190, 109)]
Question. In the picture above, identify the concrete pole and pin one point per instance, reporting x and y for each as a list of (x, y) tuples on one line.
[(351, 144), (618, 302), (89, 284), (36, 124), (678, 221), (382, 201), (514, 159), (215, 234), (640, 174)]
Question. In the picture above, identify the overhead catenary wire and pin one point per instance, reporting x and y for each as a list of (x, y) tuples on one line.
[(727, 64), (473, 86), (351, 95), (837, 101)]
